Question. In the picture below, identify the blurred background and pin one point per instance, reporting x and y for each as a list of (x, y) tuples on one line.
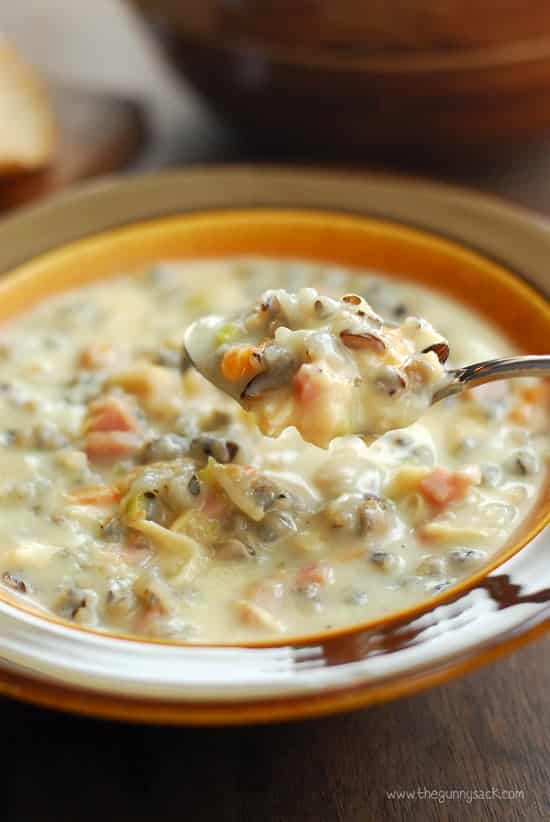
[(456, 90)]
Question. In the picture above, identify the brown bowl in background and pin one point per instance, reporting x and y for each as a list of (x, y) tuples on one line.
[(348, 77)]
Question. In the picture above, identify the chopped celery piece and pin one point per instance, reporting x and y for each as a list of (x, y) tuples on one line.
[(226, 333)]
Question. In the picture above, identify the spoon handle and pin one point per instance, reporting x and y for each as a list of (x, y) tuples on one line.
[(503, 369)]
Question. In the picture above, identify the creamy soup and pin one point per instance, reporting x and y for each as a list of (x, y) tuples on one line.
[(138, 498), (327, 367)]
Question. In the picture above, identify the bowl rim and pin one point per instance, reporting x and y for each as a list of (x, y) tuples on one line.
[(344, 57), (382, 187), (367, 191)]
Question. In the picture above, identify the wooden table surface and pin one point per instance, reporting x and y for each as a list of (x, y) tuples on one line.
[(489, 731)]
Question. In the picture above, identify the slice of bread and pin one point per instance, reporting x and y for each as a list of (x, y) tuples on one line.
[(27, 127)]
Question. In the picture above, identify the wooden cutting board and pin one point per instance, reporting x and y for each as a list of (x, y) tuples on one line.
[(98, 134)]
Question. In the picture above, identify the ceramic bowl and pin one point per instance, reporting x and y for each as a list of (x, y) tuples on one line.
[(412, 78), (476, 249)]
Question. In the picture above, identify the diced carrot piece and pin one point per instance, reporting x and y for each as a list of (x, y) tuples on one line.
[(111, 445), (97, 355), (532, 394), (95, 495), (306, 388), (536, 394), (520, 414), (441, 487), (315, 573), (110, 414), (241, 363)]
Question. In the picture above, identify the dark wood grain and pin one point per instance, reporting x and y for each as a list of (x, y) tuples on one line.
[(484, 731)]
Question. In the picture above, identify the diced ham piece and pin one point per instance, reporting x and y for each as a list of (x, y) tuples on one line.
[(442, 487), (306, 386), (111, 445), (110, 414), (215, 505), (322, 403)]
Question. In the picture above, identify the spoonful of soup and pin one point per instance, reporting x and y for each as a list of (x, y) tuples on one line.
[(331, 367)]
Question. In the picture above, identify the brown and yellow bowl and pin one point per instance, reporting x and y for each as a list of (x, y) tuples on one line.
[(351, 76), (476, 249)]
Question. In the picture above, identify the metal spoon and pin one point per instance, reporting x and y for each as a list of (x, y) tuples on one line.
[(506, 368), (199, 334), (198, 342)]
